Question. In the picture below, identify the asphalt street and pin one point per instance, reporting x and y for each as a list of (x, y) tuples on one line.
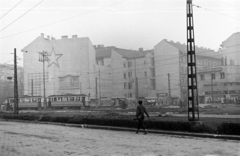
[(32, 139)]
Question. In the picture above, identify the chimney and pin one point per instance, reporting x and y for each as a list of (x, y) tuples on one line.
[(140, 49), (42, 35), (64, 37), (48, 37), (98, 46), (52, 38), (74, 36), (95, 46)]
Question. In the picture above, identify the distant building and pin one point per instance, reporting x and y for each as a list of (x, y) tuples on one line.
[(171, 58), (70, 66), (230, 50), (127, 72), (219, 84), (7, 81)]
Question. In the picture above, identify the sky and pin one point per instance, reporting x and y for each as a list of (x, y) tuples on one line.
[(128, 24)]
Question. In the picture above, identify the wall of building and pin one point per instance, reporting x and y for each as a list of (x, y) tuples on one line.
[(222, 87), (167, 61), (70, 59), (230, 49), (118, 79), (7, 85)]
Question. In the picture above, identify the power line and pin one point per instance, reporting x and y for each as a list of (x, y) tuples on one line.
[(228, 4), (21, 16), (215, 12), (61, 20), (11, 9)]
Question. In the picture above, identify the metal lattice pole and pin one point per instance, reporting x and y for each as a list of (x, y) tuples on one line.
[(15, 84), (193, 111)]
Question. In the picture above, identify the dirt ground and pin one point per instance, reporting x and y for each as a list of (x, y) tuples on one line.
[(27, 139)]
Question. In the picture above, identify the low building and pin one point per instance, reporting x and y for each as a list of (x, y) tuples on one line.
[(7, 81), (219, 84)]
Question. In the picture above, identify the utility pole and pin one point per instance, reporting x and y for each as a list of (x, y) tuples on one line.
[(99, 101), (169, 89), (15, 83), (96, 88), (32, 87), (193, 111), (212, 87), (42, 58), (136, 81), (169, 86)]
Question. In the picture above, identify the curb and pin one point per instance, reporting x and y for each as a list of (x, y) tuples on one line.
[(201, 135)]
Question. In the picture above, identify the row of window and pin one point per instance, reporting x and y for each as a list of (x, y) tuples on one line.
[(128, 85), (60, 99), (128, 95), (130, 74), (213, 76), (201, 62), (130, 63)]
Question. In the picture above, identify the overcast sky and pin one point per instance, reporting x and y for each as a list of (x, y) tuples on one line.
[(128, 24)]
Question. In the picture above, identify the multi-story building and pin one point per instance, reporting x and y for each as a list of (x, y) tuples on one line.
[(74, 65), (68, 65), (219, 84), (230, 50), (128, 71), (7, 81), (171, 66)]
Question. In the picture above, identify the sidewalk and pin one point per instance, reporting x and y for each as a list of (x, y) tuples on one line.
[(202, 135)]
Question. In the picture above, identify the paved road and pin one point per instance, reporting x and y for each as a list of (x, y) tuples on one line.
[(28, 139)]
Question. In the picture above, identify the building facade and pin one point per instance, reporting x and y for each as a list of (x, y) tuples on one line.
[(68, 65), (219, 84), (171, 66), (230, 50), (7, 81), (74, 65)]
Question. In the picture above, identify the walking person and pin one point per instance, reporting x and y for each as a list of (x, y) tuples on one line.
[(141, 110)]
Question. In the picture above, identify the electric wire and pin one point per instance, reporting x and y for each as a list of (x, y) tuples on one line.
[(20, 16), (11, 9)]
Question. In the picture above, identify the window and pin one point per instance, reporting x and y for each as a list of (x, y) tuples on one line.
[(124, 64), (129, 64), (71, 98), (202, 77), (78, 98), (124, 75), (145, 62), (125, 85), (129, 85), (130, 95), (64, 99), (129, 74), (145, 73), (222, 75), (125, 95), (213, 76)]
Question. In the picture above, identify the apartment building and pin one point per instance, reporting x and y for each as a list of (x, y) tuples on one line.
[(127, 71), (230, 50), (7, 81), (171, 66), (69, 65), (219, 84)]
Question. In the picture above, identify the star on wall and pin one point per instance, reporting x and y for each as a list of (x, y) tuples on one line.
[(53, 58)]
